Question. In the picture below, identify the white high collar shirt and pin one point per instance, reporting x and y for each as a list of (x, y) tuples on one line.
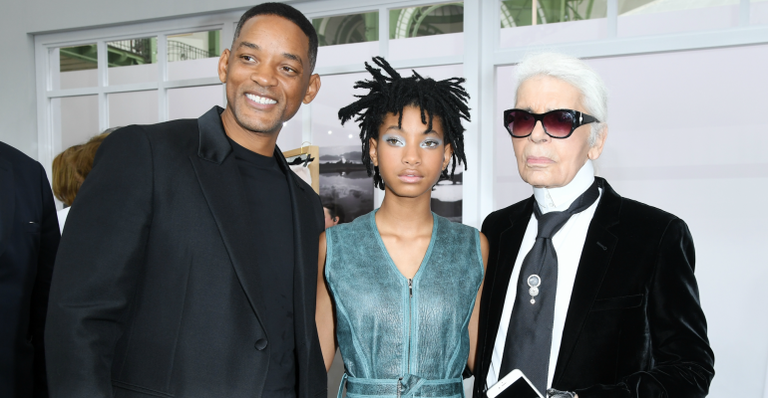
[(568, 243)]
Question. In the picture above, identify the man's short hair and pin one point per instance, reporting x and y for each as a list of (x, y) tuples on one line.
[(575, 72), (335, 211), (289, 13)]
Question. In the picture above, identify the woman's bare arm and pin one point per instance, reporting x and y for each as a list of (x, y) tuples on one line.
[(475, 319), (326, 325)]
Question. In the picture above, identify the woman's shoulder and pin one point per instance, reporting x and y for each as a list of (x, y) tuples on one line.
[(454, 227), (462, 243)]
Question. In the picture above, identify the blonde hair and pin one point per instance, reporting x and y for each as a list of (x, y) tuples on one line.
[(72, 166)]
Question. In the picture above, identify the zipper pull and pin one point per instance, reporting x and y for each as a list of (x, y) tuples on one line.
[(410, 286), (399, 386)]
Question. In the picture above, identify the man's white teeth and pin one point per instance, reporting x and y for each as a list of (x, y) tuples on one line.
[(261, 100)]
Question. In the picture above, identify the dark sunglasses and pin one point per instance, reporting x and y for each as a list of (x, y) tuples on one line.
[(559, 123)]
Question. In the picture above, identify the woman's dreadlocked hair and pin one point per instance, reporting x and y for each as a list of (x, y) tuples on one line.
[(445, 99)]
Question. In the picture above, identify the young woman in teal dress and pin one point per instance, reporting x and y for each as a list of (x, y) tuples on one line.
[(397, 287)]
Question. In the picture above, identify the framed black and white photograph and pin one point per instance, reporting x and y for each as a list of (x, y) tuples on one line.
[(447, 196), (344, 181)]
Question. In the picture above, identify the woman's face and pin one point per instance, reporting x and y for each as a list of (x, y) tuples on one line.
[(410, 158)]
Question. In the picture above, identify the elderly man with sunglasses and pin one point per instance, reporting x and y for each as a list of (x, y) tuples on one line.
[(590, 294)]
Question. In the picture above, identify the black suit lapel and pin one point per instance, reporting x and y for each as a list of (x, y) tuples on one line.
[(222, 186), (7, 203), (497, 279), (595, 259)]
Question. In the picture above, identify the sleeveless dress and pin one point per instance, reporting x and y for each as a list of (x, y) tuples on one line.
[(403, 337)]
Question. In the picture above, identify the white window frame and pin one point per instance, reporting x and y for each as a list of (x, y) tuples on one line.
[(482, 56), (46, 62)]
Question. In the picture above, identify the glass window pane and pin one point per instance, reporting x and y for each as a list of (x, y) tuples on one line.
[(347, 29), (193, 102), (132, 61), (77, 67), (652, 17), (537, 22), (427, 31), (347, 39), (76, 118), (197, 45), (193, 55), (521, 12), (436, 19), (133, 108)]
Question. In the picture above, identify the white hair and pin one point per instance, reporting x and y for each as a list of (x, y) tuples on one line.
[(574, 72)]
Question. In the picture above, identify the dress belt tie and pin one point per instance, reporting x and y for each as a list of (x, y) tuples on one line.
[(407, 387)]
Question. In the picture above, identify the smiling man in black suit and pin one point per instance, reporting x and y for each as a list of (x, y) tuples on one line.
[(189, 263), (586, 292)]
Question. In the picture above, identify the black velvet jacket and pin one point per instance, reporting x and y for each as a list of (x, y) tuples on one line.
[(634, 326)]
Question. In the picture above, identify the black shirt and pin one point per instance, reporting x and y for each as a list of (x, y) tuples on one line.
[(266, 190)]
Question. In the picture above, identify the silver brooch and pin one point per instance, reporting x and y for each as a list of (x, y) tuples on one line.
[(534, 281)]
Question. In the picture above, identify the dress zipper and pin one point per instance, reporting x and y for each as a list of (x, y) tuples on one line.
[(410, 320), (408, 370)]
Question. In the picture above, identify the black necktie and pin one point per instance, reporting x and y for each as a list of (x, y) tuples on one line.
[(529, 337)]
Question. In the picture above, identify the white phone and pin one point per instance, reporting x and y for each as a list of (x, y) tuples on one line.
[(514, 385)]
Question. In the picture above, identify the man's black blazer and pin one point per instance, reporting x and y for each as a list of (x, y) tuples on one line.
[(156, 291), (29, 236), (634, 326)]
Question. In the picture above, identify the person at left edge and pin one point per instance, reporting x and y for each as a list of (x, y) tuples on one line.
[(189, 263), (29, 237)]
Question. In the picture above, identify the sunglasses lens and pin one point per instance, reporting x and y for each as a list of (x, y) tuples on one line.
[(519, 123), (558, 123)]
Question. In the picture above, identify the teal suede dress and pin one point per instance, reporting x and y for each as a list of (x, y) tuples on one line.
[(403, 337)]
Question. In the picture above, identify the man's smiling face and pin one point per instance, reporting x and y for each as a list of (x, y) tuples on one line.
[(267, 74)]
